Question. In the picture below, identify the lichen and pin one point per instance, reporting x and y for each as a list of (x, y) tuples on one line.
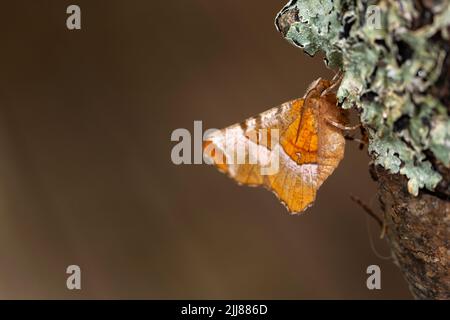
[(390, 63)]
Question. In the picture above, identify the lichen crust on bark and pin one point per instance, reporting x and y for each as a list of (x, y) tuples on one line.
[(396, 62)]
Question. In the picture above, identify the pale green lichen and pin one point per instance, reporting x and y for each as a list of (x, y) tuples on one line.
[(389, 68)]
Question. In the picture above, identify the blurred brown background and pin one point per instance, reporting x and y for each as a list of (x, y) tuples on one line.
[(86, 176)]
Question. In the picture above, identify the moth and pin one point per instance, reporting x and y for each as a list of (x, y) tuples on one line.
[(309, 145)]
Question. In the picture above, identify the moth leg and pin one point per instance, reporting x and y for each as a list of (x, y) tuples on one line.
[(338, 76), (362, 143), (342, 126), (335, 84), (312, 90), (364, 134), (331, 89)]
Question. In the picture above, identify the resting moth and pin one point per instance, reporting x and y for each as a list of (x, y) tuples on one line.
[(309, 146)]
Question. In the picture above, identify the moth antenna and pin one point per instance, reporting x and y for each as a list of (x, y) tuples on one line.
[(372, 244), (370, 212)]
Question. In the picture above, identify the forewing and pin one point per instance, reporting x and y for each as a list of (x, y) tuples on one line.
[(293, 182), (305, 150)]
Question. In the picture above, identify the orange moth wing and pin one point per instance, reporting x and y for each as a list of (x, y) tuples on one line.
[(290, 149)]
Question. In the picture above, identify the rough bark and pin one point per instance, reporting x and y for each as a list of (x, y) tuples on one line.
[(418, 234), (395, 57)]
